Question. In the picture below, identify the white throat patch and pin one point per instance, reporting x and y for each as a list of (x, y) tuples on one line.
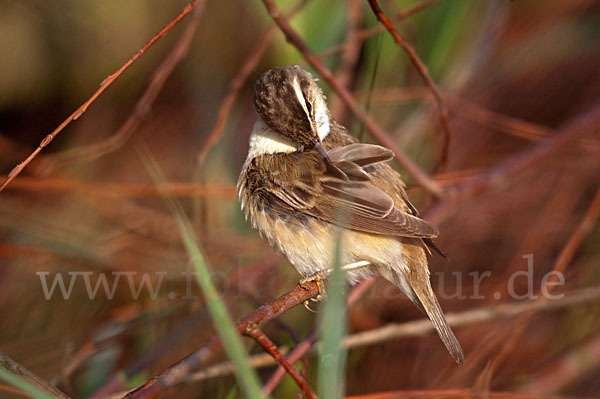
[(264, 140)]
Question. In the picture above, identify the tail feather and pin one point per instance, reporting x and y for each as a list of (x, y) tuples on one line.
[(418, 289), (426, 300)]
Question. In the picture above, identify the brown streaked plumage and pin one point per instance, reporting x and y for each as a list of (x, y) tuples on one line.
[(304, 170)]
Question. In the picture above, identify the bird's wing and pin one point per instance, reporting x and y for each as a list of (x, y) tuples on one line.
[(361, 154), (340, 192)]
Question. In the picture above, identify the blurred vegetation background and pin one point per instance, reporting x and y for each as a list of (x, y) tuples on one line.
[(512, 73)]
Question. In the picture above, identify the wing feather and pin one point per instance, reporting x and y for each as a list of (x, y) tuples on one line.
[(361, 154), (342, 193)]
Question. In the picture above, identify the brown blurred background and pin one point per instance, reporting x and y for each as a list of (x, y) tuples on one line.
[(514, 75)]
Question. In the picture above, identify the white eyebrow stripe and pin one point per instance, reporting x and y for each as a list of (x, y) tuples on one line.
[(299, 95), (319, 110)]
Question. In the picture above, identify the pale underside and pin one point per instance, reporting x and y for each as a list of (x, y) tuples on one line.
[(311, 248)]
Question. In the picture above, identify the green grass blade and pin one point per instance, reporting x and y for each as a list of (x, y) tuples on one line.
[(332, 359), (246, 375), (24, 385)]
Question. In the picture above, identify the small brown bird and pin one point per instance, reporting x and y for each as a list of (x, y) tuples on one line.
[(305, 175)]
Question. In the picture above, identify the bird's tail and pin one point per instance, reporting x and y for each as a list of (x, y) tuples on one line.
[(421, 293)]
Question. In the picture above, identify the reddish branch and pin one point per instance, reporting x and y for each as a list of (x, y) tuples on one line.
[(419, 6), (254, 332), (422, 69), (103, 86), (417, 328), (422, 178), (299, 351), (179, 371)]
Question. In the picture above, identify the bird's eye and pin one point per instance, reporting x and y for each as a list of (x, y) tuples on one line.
[(309, 107)]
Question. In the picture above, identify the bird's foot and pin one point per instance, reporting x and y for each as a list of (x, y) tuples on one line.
[(322, 275), (319, 278)]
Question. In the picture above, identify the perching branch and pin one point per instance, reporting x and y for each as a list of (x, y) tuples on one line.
[(182, 369)]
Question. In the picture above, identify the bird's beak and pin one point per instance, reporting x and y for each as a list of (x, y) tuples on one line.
[(317, 142), (321, 150)]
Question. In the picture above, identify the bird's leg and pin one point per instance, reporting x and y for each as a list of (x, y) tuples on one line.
[(319, 278), (322, 275)]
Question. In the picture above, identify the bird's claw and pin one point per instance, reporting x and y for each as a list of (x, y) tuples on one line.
[(319, 278)]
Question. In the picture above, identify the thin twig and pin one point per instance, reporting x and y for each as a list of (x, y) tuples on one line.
[(304, 347), (494, 120), (255, 333), (381, 135), (467, 109), (296, 354), (422, 69), (226, 368), (103, 86), (237, 281)]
